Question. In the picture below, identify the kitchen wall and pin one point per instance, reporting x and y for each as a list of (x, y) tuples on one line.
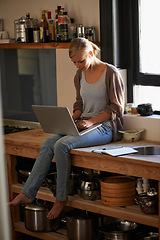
[(84, 12)]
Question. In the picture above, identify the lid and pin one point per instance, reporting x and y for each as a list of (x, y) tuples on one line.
[(79, 214), (34, 207)]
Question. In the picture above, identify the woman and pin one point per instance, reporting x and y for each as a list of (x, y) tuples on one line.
[(99, 99)]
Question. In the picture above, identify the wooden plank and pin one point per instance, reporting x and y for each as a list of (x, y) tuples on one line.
[(51, 45), (130, 213), (118, 165), (20, 227), (54, 45)]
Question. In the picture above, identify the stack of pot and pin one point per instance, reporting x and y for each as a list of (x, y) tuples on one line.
[(118, 190)]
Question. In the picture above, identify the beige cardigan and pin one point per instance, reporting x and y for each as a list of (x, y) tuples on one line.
[(114, 98)]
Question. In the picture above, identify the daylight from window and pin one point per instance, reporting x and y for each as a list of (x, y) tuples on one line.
[(149, 52), (147, 94), (149, 36)]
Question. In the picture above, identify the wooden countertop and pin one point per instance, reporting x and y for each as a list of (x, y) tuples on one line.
[(28, 143)]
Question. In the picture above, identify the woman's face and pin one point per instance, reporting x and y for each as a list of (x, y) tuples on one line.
[(82, 60)]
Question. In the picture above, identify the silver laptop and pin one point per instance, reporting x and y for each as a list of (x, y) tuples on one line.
[(58, 120)]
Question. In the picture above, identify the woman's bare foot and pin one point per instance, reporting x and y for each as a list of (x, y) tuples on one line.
[(20, 199), (56, 209)]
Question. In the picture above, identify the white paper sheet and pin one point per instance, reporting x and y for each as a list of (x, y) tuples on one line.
[(116, 151)]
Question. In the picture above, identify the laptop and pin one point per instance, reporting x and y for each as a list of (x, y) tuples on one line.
[(58, 120)]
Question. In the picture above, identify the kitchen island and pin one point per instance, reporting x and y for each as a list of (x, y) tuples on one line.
[(27, 144)]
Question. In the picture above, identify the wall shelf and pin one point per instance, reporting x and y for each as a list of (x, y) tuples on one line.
[(51, 45)]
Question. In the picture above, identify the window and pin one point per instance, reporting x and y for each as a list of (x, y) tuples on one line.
[(149, 36), (130, 39), (147, 82)]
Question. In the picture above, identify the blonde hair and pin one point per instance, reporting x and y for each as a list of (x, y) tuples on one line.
[(82, 44)]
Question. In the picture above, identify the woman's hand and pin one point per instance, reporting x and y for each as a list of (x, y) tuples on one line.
[(84, 124)]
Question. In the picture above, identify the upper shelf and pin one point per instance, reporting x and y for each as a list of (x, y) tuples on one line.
[(52, 45)]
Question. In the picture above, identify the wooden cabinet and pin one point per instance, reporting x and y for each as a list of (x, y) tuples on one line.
[(28, 143)]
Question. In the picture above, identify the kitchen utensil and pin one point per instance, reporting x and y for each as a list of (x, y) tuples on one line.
[(151, 236), (19, 28), (148, 201), (131, 135), (80, 225), (36, 218), (145, 109), (89, 188), (118, 190), (89, 195), (123, 230), (88, 185)]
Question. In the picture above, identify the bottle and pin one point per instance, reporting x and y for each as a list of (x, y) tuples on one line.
[(63, 26), (56, 33), (90, 34), (29, 29), (94, 33), (80, 30), (72, 30), (36, 31), (50, 27), (44, 33), (62, 11)]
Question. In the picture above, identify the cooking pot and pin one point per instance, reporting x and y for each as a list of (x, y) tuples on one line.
[(122, 230), (151, 236), (89, 189), (36, 218), (80, 225), (145, 109)]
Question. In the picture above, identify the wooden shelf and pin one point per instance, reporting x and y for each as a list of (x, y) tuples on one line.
[(130, 213), (52, 45), (20, 227)]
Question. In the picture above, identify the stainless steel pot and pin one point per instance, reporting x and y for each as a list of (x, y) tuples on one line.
[(89, 189), (36, 218), (151, 236), (80, 225), (123, 230), (89, 195)]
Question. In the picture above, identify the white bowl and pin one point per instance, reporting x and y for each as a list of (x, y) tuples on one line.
[(131, 135)]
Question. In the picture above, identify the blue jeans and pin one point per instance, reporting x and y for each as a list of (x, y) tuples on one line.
[(60, 146)]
